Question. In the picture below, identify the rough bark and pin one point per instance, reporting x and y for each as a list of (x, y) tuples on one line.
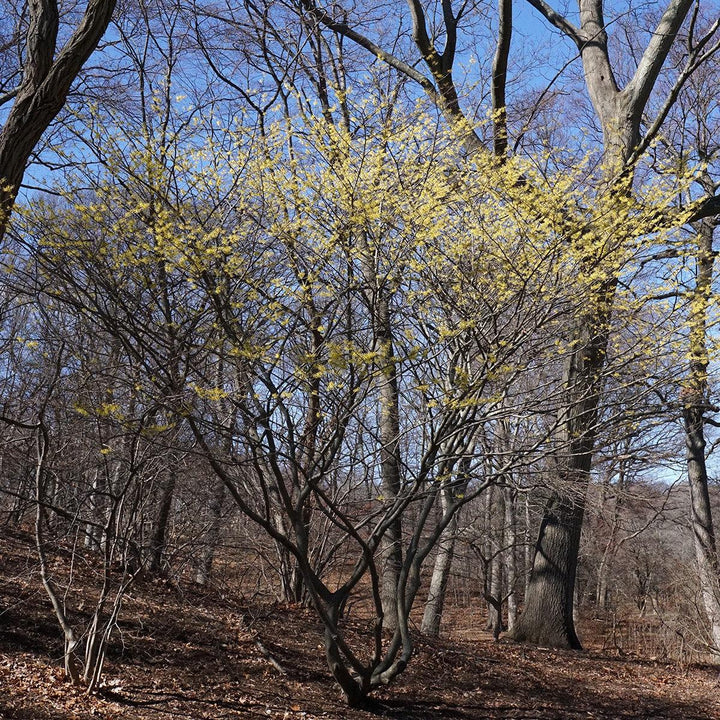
[(695, 403), (46, 80), (548, 615), (547, 618), (92, 530)]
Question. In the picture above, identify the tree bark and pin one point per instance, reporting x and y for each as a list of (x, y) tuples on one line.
[(158, 542), (390, 463), (510, 558), (202, 574), (45, 84), (495, 554), (694, 396), (547, 618), (378, 300), (548, 615), (432, 615)]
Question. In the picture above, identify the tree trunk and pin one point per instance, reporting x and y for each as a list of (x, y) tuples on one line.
[(494, 573), (46, 80), (158, 543), (528, 548), (548, 615), (547, 618), (432, 615), (510, 561), (694, 396), (378, 299), (93, 533), (212, 537)]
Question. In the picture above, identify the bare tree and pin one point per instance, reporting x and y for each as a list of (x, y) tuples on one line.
[(46, 76), (548, 613), (547, 617)]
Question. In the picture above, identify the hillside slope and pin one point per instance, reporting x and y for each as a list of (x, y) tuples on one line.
[(186, 653)]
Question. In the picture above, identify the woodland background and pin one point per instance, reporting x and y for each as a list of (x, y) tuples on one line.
[(399, 319)]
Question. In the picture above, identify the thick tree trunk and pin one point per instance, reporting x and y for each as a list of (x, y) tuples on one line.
[(694, 398), (45, 84), (547, 618), (548, 615)]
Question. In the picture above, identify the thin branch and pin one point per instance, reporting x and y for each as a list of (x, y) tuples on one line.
[(345, 30), (7, 97)]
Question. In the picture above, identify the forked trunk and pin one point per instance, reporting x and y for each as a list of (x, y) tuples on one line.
[(547, 618)]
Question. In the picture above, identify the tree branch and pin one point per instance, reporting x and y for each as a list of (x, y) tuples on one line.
[(560, 22), (345, 30), (651, 62), (499, 77)]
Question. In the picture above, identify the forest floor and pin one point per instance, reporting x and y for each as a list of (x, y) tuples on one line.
[(185, 653)]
